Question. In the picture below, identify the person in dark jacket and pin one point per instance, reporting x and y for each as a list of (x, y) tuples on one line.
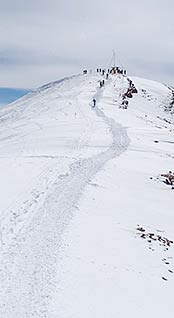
[(94, 102)]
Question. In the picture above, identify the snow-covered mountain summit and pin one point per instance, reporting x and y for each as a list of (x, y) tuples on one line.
[(86, 219)]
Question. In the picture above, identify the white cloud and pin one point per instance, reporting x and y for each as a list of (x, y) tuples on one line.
[(41, 40)]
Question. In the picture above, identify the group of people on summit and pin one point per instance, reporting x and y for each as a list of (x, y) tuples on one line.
[(113, 71)]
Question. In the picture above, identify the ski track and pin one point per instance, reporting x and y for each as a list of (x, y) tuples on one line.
[(28, 265)]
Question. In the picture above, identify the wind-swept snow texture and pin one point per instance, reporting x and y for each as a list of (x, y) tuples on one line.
[(79, 187)]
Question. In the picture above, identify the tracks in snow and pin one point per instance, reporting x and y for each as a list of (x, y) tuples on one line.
[(28, 267)]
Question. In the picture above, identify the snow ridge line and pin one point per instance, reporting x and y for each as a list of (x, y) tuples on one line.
[(32, 261)]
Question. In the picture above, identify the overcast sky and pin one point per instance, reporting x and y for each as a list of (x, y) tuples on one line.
[(41, 41)]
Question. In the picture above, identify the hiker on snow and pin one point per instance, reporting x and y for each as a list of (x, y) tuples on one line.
[(94, 102)]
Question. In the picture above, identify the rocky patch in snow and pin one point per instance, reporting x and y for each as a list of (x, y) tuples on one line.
[(155, 241)]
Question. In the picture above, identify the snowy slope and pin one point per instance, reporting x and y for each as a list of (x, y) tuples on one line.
[(76, 185)]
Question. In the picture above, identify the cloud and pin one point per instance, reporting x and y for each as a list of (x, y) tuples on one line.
[(41, 41)]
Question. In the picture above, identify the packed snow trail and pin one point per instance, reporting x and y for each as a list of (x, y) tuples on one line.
[(33, 158), (30, 261)]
